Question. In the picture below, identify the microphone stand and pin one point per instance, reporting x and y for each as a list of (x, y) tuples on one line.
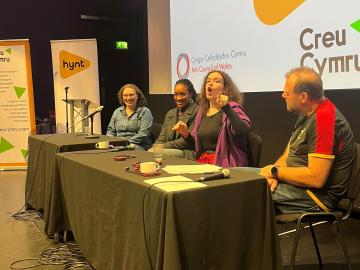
[(67, 114), (92, 135)]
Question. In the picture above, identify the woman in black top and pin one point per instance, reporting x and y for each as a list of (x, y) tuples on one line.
[(221, 124)]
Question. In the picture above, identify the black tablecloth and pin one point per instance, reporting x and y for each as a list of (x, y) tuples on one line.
[(227, 225), (42, 171)]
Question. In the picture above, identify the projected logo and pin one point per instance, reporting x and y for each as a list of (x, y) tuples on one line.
[(70, 64), (183, 66), (356, 25), (272, 12)]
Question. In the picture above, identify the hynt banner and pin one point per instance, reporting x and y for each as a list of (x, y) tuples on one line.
[(75, 71)]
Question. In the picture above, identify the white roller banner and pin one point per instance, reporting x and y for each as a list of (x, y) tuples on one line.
[(75, 67), (17, 117)]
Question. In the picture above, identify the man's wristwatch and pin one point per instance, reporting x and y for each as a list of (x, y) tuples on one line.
[(275, 171)]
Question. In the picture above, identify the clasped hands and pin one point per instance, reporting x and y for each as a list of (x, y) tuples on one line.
[(272, 182), (156, 148)]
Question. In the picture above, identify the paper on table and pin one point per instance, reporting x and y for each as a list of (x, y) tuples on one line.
[(174, 183), (192, 169)]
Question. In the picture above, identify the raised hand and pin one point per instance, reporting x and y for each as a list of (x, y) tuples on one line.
[(182, 128), (221, 100)]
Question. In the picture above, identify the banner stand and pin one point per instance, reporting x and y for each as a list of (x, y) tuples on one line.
[(17, 113)]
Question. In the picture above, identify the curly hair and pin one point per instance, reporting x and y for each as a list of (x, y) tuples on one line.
[(230, 89), (141, 98), (189, 86)]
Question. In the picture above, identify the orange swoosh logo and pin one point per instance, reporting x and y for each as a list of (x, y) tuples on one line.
[(274, 11), (70, 64)]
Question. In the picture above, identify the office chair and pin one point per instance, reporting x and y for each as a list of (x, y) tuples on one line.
[(335, 217), (253, 149)]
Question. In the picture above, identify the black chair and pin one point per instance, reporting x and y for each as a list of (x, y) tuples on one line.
[(356, 207), (335, 217), (155, 131), (253, 149)]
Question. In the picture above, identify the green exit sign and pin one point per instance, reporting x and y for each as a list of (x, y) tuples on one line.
[(121, 45)]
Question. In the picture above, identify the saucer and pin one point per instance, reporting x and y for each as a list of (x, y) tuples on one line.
[(136, 167), (156, 173)]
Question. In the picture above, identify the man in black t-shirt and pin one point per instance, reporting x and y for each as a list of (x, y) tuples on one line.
[(312, 173)]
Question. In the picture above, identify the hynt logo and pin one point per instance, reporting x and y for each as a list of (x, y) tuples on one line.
[(71, 64), (271, 12)]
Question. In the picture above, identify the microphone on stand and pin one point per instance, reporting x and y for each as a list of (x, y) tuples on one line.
[(91, 116), (98, 109), (224, 173), (67, 114)]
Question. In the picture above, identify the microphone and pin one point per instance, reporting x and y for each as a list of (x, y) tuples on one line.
[(123, 148), (67, 88), (224, 173), (98, 109)]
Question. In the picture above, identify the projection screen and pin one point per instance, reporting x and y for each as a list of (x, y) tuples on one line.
[(255, 41)]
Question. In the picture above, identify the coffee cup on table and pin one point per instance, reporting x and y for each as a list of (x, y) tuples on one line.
[(102, 145), (149, 167)]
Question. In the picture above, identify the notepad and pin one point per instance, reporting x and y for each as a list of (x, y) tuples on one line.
[(174, 183), (191, 169)]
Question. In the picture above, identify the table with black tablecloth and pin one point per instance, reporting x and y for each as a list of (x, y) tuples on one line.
[(41, 167), (229, 224)]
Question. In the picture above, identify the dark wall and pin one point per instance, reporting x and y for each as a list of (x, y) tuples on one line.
[(42, 21), (274, 123)]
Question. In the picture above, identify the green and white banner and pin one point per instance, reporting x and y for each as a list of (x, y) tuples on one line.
[(17, 117)]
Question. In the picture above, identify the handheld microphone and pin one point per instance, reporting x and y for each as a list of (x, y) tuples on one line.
[(123, 148), (98, 109), (67, 88), (224, 173)]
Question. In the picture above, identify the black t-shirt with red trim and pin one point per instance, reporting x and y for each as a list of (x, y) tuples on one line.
[(324, 134)]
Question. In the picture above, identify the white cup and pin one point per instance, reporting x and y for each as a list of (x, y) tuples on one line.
[(149, 167), (102, 145)]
